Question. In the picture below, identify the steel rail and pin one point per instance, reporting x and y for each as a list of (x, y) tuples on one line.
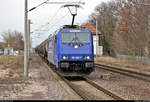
[(104, 90), (132, 74)]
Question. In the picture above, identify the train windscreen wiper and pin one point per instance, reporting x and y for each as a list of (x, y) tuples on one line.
[(75, 39)]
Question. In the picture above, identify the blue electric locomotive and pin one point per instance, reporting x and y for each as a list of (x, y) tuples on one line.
[(71, 51)]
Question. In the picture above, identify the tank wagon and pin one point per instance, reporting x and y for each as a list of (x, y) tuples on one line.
[(42, 49), (71, 51)]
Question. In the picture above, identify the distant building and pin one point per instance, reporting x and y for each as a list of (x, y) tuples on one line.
[(8, 51), (93, 29)]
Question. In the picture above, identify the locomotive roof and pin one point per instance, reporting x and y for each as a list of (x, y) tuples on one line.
[(67, 27)]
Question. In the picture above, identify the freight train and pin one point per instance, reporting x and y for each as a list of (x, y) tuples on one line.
[(70, 50)]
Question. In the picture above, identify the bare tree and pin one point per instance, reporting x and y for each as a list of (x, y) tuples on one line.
[(107, 14), (125, 25), (135, 28), (14, 39)]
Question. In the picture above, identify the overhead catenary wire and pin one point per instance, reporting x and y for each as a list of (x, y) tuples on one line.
[(38, 36), (38, 29), (54, 24), (58, 21), (38, 5), (50, 20), (65, 2), (53, 16)]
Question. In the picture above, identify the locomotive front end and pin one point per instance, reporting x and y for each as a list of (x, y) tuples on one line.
[(76, 51)]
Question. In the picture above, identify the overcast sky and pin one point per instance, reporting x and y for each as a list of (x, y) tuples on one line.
[(50, 15)]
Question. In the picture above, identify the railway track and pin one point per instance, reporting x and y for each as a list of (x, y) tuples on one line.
[(85, 88), (129, 73), (89, 90), (104, 90)]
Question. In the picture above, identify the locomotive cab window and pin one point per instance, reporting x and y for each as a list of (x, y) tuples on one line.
[(75, 37)]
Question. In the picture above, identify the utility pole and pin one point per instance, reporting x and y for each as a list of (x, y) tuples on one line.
[(30, 46), (25, 39), (96, 40), (28, 38)]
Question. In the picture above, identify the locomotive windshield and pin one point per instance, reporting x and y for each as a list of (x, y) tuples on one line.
[(75, 37)]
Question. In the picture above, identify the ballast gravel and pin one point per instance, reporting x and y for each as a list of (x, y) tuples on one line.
[(126, 87)]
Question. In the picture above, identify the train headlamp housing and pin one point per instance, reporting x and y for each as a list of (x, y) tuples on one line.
[(76, 46), (65, 57), (87, 57)]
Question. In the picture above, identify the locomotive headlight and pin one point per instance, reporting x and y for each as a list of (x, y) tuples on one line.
[(76, 46), (87, 57), (65, 57)]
